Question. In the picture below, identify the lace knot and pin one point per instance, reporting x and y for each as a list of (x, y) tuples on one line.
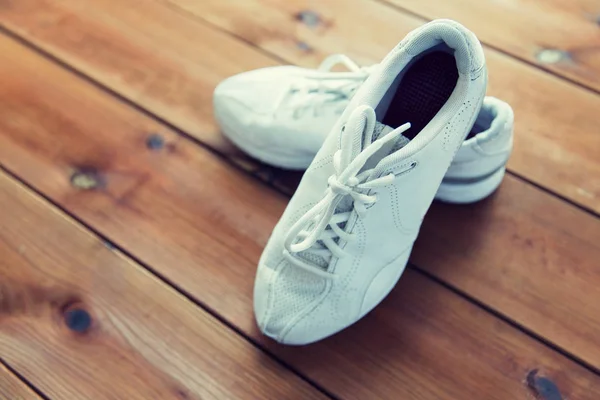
[(343, 188)]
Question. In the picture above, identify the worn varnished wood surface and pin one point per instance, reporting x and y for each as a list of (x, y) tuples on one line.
[(159, 59), (199, 222), (559, 153), (547, 319), (171, 207), (145, 341)]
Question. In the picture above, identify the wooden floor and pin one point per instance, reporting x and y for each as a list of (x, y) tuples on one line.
[(130, 229)]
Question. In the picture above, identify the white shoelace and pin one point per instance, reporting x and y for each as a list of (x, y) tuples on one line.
[(325, 86), (310, 232)]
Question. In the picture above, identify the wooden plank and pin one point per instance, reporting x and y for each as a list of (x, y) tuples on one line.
[(525, 28), (157, 61), (11, 388), (144, 340), (202, 224)]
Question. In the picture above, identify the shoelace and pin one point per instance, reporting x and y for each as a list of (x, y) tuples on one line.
[(310, 232), (325, 85)]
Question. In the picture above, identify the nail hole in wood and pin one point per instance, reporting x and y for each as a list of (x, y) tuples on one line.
[(552, 56), (78, 320), (155, 142), (85, 179)]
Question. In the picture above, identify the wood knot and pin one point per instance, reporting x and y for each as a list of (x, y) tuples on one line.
[(543, 387), (155, 142), (309, 18), (86, 179), (304, 46), (18, 298), (77, 318), (182, 394)]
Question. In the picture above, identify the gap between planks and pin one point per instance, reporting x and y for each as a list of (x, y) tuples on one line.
[(499, 49), (17, 386)]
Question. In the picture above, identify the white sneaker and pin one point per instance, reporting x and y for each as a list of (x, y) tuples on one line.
[(346, 235), (281, 116)]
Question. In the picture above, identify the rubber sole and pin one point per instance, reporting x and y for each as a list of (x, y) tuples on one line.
[(448, 192), (269, 155), (470, 192)]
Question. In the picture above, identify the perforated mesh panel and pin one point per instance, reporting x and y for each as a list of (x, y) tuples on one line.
[(293, 290), (379, 129), (458, 125), (314, 258)]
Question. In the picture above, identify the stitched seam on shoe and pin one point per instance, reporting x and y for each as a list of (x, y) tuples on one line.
[(396, 213), (384, 267), (321, 163)]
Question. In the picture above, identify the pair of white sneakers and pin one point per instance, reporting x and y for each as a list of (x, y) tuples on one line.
[(379, 144)]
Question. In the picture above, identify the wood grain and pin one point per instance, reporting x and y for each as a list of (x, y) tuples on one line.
[(159, 59), (11, 388), (202, 225), (525, 254), (158, 62), (145, 340), (525, 28), (560, 153)]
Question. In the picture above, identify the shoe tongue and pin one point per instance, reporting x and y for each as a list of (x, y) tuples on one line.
[(382, 129)]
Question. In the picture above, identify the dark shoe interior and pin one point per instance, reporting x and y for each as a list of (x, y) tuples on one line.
[(423, 88)]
